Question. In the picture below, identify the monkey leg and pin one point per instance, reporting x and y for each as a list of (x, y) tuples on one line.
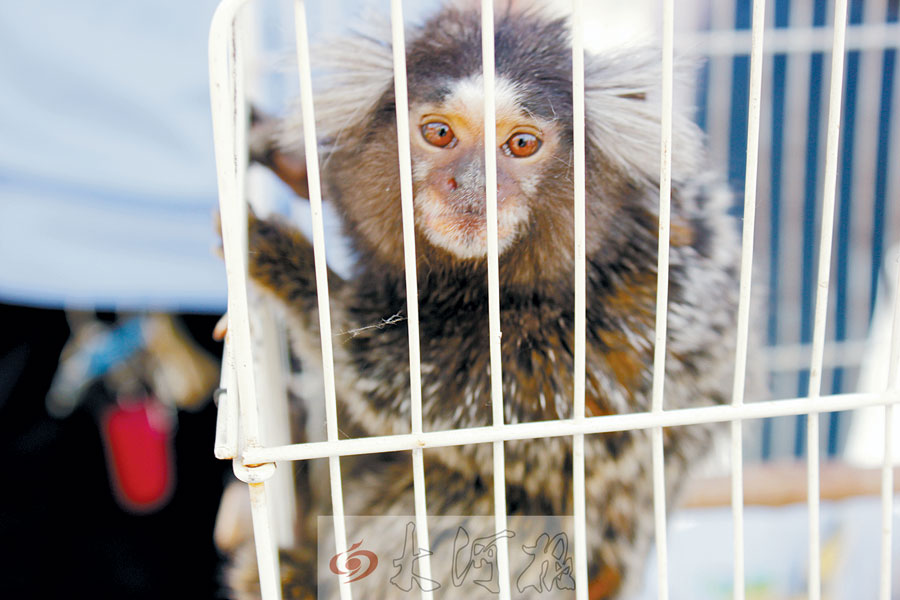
[(300, 566), (298, 574), (605, 585)]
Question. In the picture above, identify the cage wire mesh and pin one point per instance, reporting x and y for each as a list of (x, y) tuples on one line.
[(799, 103)]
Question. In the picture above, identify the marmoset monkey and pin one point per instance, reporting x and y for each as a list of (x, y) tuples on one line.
[(534, 152)]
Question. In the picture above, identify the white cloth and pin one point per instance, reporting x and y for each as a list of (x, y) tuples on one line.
[(107, 176)]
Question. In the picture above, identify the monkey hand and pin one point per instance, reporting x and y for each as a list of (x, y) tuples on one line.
[(289, 164)]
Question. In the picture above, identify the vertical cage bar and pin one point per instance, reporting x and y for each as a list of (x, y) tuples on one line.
[(412, 290), (798, 132), (887, 495), (887, 469), (821, 310), (880, 219), (665, 196), (266, 550), (490, 176), (743, 323), (315, 203), (230, 130), (269, 340), (814, 13), (261, 504), (275, 428), (578, 134), (662, 296), (229, 113), (227, 410)]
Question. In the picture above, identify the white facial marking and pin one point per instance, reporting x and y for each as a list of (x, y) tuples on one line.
[(466, 235), (469, 96), (459, 226)]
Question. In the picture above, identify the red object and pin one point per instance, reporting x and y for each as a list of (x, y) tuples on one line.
[(138, 439)]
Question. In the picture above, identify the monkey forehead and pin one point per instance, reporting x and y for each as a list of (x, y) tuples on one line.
[(530, 49), (464, 105)]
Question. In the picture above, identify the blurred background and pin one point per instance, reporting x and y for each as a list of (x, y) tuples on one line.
[(110, 285), (109, 290)]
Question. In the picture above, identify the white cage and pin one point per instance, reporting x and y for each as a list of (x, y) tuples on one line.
[(247, 397)]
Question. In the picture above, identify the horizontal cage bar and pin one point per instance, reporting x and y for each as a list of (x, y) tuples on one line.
[(568, 427)]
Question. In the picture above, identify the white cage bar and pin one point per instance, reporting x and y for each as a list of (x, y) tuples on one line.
[(238, 429), (887, 472), (412, 294), (743, 322), (315, 203), (490, 177), (580, 358), (826, 235), (662, 295), (229, 114)]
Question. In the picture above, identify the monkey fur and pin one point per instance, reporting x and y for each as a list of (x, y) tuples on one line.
[(360, 176)]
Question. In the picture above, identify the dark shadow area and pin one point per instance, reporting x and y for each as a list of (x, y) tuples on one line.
[(64, 535)]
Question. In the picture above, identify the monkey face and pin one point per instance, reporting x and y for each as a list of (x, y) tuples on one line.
[(533, 150), (449, 169)]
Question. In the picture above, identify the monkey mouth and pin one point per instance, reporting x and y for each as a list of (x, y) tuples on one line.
[(462, 229)]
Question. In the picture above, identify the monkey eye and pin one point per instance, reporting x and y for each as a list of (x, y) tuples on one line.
[(521, 145), (438, 134)]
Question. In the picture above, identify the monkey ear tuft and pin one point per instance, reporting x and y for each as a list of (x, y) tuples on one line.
[(623, 106), (357, 70), (353, 71)]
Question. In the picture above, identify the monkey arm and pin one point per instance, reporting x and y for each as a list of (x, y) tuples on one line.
[(281, 261)]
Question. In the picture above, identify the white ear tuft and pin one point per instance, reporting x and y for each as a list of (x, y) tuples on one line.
[(624, 112), (352, 71)]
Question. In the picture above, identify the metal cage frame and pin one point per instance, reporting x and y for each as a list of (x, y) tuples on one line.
[(238, 426)]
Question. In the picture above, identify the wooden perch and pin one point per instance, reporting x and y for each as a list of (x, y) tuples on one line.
[(777, 484)]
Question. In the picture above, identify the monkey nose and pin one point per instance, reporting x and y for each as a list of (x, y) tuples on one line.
[(468, 174)]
